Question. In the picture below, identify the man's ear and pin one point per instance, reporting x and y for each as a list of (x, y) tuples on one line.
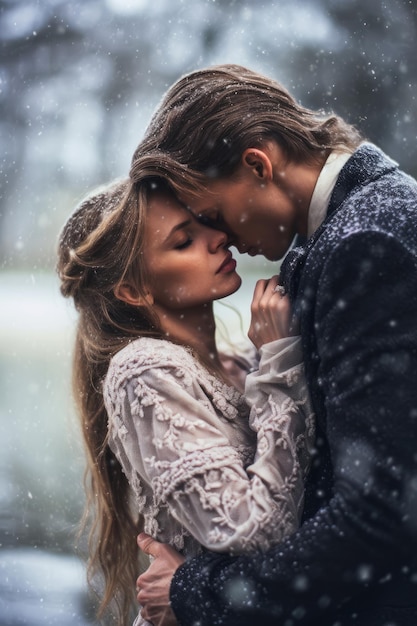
[(129, 294), (258, 162)]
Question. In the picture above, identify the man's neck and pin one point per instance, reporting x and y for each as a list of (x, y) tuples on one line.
[(323, 189)]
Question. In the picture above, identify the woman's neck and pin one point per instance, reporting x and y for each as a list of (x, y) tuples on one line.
[(195, 328)]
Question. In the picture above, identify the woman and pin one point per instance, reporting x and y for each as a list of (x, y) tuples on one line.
[(171, 438)]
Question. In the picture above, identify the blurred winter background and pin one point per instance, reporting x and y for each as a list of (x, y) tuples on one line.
[(78, 83)]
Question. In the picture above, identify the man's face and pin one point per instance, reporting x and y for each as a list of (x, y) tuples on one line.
[(259, 216)]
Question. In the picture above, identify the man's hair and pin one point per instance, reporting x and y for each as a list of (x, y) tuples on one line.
[(209, 117)]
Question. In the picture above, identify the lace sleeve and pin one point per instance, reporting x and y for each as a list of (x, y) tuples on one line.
[(282, 417), (173, 436)]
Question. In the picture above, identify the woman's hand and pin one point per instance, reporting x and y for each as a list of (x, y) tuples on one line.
[(153, 585), (271, 313)]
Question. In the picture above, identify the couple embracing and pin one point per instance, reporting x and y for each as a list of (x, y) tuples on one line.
[(277, 485)]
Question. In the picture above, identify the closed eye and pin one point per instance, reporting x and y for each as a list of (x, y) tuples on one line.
[(212, 221), (216, 221), (184, 244)]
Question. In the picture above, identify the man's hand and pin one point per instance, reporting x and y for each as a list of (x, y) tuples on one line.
[(154, 584)]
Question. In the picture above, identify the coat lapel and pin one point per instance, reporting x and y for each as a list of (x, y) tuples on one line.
[(366, 163)]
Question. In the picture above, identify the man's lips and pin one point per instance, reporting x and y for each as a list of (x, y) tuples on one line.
[(243, 248), (228, 265)]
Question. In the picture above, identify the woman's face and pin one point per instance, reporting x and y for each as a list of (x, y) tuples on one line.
[(189, 264)]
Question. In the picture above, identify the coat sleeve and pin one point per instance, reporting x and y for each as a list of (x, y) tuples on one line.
[(166, 431), (365, 316)]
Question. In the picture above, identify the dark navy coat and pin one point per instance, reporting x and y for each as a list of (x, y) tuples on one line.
[(354, 559)]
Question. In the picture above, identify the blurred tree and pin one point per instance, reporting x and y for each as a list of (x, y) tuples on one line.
[(35, 44), (368, 74)]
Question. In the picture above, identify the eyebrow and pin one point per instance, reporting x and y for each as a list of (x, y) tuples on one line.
[(178, 227)]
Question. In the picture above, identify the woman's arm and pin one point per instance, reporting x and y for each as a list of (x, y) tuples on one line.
[(183, 443), (279, 365), (279, 380), (165, 427)]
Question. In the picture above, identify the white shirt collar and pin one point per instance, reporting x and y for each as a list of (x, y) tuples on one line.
[(323, 189)]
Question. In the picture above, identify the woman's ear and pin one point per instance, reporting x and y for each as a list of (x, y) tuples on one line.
[(258, 162), (129, 294)]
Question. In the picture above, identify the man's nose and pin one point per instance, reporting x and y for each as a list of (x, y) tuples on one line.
[(218, 239)]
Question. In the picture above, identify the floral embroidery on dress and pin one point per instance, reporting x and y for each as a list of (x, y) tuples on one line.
[(202, 464)]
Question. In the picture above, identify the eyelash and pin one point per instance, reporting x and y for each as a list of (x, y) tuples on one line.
[(208, 220), (184, 245)]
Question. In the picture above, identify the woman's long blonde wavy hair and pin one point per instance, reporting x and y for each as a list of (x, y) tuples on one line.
[(100, 248)]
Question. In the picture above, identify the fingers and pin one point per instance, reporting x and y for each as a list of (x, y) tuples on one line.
[(271, 313), (265, 287), (148, 545), (267, 293), (142, 595), (268, 300), (152, 587), (162, 617), (259, 290)]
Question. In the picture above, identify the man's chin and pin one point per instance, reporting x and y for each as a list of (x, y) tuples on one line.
[(270, 255)]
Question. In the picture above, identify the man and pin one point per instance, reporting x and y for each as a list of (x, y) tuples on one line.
[(248, 159)]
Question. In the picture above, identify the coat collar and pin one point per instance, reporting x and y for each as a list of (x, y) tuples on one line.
[(367, 163)]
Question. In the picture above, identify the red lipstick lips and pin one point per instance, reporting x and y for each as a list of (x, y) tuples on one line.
[(228, 265)]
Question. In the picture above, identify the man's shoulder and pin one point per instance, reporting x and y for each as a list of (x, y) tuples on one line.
[(372, 194), (368, 178)]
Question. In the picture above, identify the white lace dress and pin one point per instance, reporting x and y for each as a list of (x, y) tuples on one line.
[(209, 466)]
